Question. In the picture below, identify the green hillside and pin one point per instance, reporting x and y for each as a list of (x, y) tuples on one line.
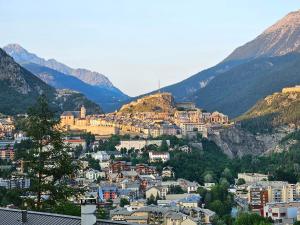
[(273, 111)]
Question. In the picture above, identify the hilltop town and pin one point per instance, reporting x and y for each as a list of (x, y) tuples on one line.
[(150, 116)]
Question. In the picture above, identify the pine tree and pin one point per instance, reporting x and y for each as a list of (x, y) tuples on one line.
[(50, 165)]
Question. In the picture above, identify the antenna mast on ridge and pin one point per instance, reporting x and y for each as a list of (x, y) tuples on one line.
[(158, 86)]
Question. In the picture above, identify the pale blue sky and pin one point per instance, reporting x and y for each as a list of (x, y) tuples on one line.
[(138, 42)]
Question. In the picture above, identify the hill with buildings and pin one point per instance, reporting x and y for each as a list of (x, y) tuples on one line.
[(159, 102), (19, 90), (93, 85)]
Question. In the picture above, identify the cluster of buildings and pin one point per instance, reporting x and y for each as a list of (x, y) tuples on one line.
[(139, 213), (7, 127), (278, 200), (137, 184), (184, 119), (15, 183)]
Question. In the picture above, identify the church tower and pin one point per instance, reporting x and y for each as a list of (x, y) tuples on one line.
[(82, 112)]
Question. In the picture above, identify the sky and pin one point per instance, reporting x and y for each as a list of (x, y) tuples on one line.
[(137, 43)]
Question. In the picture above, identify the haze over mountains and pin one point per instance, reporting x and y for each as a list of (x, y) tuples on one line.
[(251, 72), (94, 85)]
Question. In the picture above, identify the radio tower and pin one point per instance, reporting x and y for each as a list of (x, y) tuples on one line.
[(158, 86)]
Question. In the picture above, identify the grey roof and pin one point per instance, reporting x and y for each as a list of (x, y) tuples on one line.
[(175, 215), (14, 217), (119, 211)]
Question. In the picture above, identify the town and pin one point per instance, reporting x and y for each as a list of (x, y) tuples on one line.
[(150, 112), (125, 172)]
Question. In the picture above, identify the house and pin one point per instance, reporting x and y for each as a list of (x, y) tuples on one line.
[(167, 172), (252, 177), (178, 218), (204, 216), (75, 142), (220, 118), (282, 213), (102, 156), (145, 169), (190, 201), (157, 192), (107, 192), (181, 200), (93, 174), (138, 144), (15, 183), (188, 185), (119, 166), (132, 175), (159, 156), (7, 153)]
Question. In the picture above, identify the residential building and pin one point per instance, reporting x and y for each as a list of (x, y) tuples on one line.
[(282, 213), (15, 182), (93, 174), (252, 177), (167, 172), (7, 153), (156, 192), (139, 144), (159, 156), (75, 142)]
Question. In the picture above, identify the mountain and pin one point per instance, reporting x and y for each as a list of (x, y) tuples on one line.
[(19, 90), (94, 85), (279, 109), (237, 90), (259, 68), (184, 90), (281, 38), (107, 98)]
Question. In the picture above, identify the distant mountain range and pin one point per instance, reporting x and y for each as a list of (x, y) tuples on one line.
[(254, 70), (19, 90), (94, 85)]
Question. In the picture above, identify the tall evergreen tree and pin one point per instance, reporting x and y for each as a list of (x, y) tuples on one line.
[(50, 165)]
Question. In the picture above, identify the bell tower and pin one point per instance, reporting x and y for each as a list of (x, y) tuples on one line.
[(82, 112)]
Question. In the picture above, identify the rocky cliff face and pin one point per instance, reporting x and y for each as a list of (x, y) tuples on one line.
[(237, 142)]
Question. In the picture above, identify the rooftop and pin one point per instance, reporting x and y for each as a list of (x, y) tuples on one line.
[(14, 217)]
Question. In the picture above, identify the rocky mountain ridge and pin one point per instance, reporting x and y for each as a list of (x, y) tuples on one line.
[(281, 38), (19, 90), (244, 70), (21, 55), (95, 86)]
